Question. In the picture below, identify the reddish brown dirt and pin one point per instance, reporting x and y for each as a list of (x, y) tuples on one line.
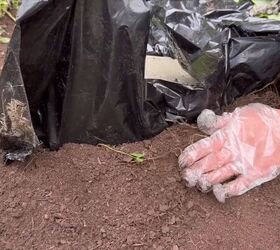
[(87, 197), (8, 25)]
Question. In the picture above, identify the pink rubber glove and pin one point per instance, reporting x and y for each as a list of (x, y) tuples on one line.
[(244, 144)]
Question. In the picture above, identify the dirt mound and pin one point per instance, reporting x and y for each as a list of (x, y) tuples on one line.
[(87, 197)]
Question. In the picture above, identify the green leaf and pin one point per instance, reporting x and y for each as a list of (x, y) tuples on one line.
[(4, 40), (138, 157), (261, 2), (274, 17)]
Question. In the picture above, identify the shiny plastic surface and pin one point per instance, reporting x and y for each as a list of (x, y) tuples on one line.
[(220, 45), (75, 70)]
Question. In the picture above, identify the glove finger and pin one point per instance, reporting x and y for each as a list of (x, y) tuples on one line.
[(201, 149), (220, 175), (234, 188), (243, 184), (213, 161), (208, 122)]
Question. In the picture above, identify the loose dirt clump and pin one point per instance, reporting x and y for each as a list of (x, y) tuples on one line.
[(88, 197)]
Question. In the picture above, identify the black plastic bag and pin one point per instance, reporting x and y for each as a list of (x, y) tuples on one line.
[(77, 69), (226, 50)]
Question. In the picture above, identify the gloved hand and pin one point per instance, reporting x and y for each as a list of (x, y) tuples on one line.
[(244, 144)]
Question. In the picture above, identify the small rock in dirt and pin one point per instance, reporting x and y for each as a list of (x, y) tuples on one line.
[(24, 204), (58, 216), (163, 208), (175, 247), (172, 220), (190, 204), (102, 230), (165, 229), (46, 216)]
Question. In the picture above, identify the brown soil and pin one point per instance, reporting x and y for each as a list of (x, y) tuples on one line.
[(8, 26), (87, 197)]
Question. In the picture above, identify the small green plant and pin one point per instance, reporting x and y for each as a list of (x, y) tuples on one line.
[(135, 157), (266, 9), (138, 157), (6, 5)]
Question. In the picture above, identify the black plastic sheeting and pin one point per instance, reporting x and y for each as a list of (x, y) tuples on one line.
[(74, 70), (230, 53)]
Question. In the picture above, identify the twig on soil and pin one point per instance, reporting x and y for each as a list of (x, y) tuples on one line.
[(161, 156), (114, 150), (191, 241), (173, 134), (189, 125), (10, 16), (32, 223), (138, 245), (136, 157), (271, 85), (29, 163)]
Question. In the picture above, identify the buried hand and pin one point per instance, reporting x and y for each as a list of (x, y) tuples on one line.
[(244, 145)]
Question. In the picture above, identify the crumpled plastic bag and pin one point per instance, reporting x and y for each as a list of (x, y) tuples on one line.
[(229, 52)]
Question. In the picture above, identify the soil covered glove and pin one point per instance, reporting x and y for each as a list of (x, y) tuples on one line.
[(242, 152)]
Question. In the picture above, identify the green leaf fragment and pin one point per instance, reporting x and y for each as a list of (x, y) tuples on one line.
[(138, 157), (4, 40)]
